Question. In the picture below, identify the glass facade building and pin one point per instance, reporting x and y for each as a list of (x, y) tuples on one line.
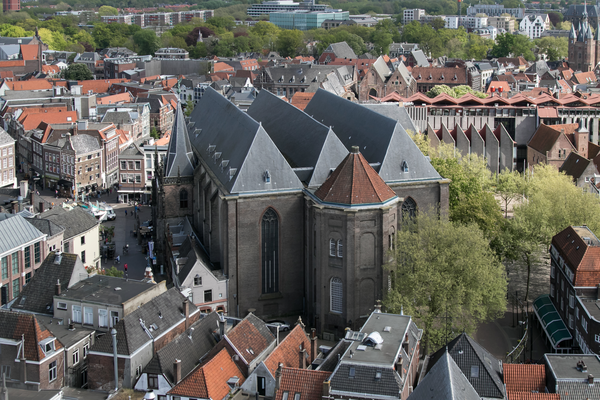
[(305, 20)]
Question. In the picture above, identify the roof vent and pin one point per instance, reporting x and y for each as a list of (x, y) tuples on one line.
[(378, 375), (232, 172), (57, 257), (361, 347), (352, 372), (373, 339), (387, 329), (224, 165), (211, 148), (117, 288)]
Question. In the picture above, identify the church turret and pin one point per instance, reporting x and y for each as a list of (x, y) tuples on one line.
[(180, 154), (588, 34), (573, 34)]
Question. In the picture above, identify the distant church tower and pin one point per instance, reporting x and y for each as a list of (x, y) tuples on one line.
[(584, 47)]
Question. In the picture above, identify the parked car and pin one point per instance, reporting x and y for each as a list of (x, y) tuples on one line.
[(283, 326)]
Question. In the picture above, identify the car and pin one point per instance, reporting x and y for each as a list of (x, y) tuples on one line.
[(283, 326)]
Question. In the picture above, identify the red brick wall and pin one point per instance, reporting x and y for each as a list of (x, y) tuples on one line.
[(101, 372)]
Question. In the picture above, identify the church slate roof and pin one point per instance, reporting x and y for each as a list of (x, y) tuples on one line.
[(394, 112), (468, 353), (382, 140), (179, 160), (353, 182), (237, 149), (445, 381), (304, 142), (341, 50)]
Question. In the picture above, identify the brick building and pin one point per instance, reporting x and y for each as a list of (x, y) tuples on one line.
[(380, 81), (428, 77), (552, 144), (132, 176)]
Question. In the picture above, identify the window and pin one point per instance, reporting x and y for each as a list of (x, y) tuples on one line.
[(114, 318), (88, 315), (270, 251), (103, 318), (584, 324), (15, 263), (27, 254), (332, 247), (562, 304), (83, 240), (138, 370), (571, 301), (36, 252), (130, 165), (340, 249), (16, 287), (76, 314), (207, 296), (4, 268), (83, 256), (123, 164), (409, 209), (76, 357), (562, 285), (197, 280), (597, 338), (27, 278), (474, 371), (183, 199), (404, 166), (577, 313), (52, 371), (61, 306), (552, 271), (152, 381), (570, 321), (138, 165), (67, 246), (336, 295)]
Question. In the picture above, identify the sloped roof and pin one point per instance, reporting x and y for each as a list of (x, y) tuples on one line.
[(381, 139), (29, 51), (250, 337), (185, 348), (467, 353), (305, 381), (420, 58), (445, 381), (394, 112), (300, 99), (83, 144), (287, 352), (15, 232), (341, 50), (237, 149), (533, 396), (583, 259), (303, 141), (38, 295), (354, 181), (32, 84), (546, 135), (574, 165), (179, 159), (209, 381), (5, 138), (15, 324), (75, 221), (440, 76), (32, 121), (524, 377), (164, 311)]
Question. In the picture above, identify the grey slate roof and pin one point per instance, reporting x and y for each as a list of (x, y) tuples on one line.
[(117, 117), (5, 138), (381, 139), (304, 142), (341, 50), (132, 150), (75, 221), (16, 40), (85, 144), (420, 58), (46, 226), (382, 68), (165, 311), (195, 254), (37, 296), (188, 350), (15, 232), (237, 149), (445, 381), (363, 380), (466, 353), (311, 75), (180, 157), (394, 112)]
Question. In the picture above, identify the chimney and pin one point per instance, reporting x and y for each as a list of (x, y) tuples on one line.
[(590, 379), (314, 347), (378, 307), (177, 370), (326, 388), (186, 312), (405, 344), (57, 288), (41, 207), (221, 326), (302, 363), (278, 373), (399, 366), (23, 360)]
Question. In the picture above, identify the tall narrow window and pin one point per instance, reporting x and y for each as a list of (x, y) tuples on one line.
[(15, 263), (340, 249), (270, 252), (332, 247), (336, 295), (409, 209), (27, 254), (183, 199)]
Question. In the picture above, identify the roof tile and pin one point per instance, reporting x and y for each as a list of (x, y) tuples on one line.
[(307, 382), (525, 377)]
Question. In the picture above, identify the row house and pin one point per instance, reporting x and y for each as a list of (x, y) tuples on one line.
[(132, 177), (8, 176), (139, 113), (20, 255), (162, 111), (106, 133)]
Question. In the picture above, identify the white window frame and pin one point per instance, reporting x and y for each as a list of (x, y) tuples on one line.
[(52, 371), (76, 357), (76, 314), (340, 249), (584, 324), (103, 315), (332, 247), (336, 295), (88, 315), (86, 350), (571, 300)]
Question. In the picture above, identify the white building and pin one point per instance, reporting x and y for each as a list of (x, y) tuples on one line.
[(469, 22), (534, 25), (8, 176), (413, 15)]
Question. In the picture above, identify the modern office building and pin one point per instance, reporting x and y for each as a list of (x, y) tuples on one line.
[(306, 20), (495, 10)]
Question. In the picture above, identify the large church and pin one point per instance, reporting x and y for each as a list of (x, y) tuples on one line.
[(297, 208), (584, 46)]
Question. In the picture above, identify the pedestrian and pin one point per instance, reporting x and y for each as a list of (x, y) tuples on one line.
[(56, 193), (125, 267), (125, 212)]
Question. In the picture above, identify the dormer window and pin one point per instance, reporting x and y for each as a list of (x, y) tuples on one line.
[(48, 345), (404, 166), (267, 176)]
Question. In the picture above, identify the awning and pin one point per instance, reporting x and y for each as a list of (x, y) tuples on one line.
[(64, 182), (550, 319)]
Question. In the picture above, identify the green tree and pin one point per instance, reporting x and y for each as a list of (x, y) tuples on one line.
[(438, 23), (447, 285), (78, 72), (8, 30), (510, 186), (556, 48), (107, 10), (102, 35), (146, 41), (113, 271), (154, 133), (290, 42)]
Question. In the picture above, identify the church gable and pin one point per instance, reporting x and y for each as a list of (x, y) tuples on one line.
[(332, 154)]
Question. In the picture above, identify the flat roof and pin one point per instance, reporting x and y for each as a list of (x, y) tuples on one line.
[(564, 366), (592, 306), (392, 340), (105, 289)]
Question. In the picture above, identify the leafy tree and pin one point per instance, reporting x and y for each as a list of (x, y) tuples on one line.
[(447, 285), (107, 10), (555, 18), (221, 23), (556, 48), (8, 30), (113, 271), (513, 45), (289, 42), (381, 41), (438, 23), (477, 47), (102, 35), (199, 50), (78, 72), (154, 133), (146, 41), (510, 186)]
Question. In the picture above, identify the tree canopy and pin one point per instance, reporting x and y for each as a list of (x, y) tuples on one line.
[(78, 72)]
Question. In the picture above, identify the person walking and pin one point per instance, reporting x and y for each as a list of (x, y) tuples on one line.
[(125, 212)]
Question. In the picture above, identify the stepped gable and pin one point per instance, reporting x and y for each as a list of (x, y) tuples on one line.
[(354, 182)]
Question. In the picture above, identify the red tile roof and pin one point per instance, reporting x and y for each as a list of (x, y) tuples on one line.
[(163, 141), (100, 85), (122, 136), (584, 77), (305, 381), (12, 63), (301, 99), (32, 121), (222, 67), (354, 181), (19, 324), (50, 69), (583, 259), (29, 52), (209, 381), (115, 98), (499, 86), (288, 351), (33, 84), (6, 74), (547, 112), (440, 76), (546, 135), (248, 340), (525, 377), (532, 396)]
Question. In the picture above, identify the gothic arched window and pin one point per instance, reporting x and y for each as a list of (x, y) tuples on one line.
[(270, 251), (409, 209), (183, 199)]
